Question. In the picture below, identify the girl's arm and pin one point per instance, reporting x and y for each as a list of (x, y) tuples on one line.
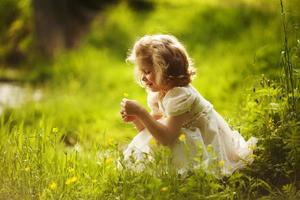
[(140, 125), (137, 122), (165, 134)]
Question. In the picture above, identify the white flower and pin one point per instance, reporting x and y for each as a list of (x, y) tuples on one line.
[(77, 147)]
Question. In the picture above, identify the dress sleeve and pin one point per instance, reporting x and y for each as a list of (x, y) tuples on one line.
[(152, 101), (178, 101)]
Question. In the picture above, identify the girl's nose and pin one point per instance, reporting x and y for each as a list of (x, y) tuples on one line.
[(144, 78)]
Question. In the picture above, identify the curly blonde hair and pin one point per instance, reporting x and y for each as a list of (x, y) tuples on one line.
[(167, 56)]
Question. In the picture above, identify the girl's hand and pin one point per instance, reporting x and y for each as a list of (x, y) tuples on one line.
[(130, 107), (127, 118)]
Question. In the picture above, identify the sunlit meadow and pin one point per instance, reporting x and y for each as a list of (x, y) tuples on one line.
[(68, 143)]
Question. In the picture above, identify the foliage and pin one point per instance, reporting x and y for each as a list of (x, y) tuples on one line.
[(81, 103), (273, 116), (16, 31), (270, 119)]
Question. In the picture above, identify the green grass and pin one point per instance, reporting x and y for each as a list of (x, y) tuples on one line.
[(231, 44)]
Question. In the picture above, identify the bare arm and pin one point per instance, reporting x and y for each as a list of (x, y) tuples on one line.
[(137, 122), (165, 134)]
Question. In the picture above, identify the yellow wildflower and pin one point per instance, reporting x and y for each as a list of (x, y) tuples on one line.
[(110, 141), (209, 148), (94, 181), (52, 185), (152, 142), (27, 169), (55, 130), (251, 147), (71, 170), (251, 157), (108, 161), (71, 180), (115, 189), (182, 137), (125, 94), (221, 163), (164, 189)]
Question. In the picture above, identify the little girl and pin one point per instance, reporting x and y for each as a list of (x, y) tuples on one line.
[(164, 68)]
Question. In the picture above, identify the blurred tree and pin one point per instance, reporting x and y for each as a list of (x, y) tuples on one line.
[(15, 30), (48, 25), (141, 5), (61, 23)]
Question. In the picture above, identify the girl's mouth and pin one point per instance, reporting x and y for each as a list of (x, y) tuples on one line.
[(149, 84)]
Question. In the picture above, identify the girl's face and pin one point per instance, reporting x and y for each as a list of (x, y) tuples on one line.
[(148, 77)]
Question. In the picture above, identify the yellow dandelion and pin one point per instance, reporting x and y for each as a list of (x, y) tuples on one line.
[(221, 163), (71, 170), (209, 148), (52, 185), (55, 130), (110, 141), (98, 163), (251, 147), (71, 180), (125, 94), (115, 189), (251, 157), (164, 189), (152, 142), (108, 161), (27, 169), (182, 137)]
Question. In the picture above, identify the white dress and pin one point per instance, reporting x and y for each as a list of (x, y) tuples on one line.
[(205, 131)]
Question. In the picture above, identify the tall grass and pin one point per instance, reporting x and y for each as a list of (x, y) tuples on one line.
[(287, 64), (81, 103)]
